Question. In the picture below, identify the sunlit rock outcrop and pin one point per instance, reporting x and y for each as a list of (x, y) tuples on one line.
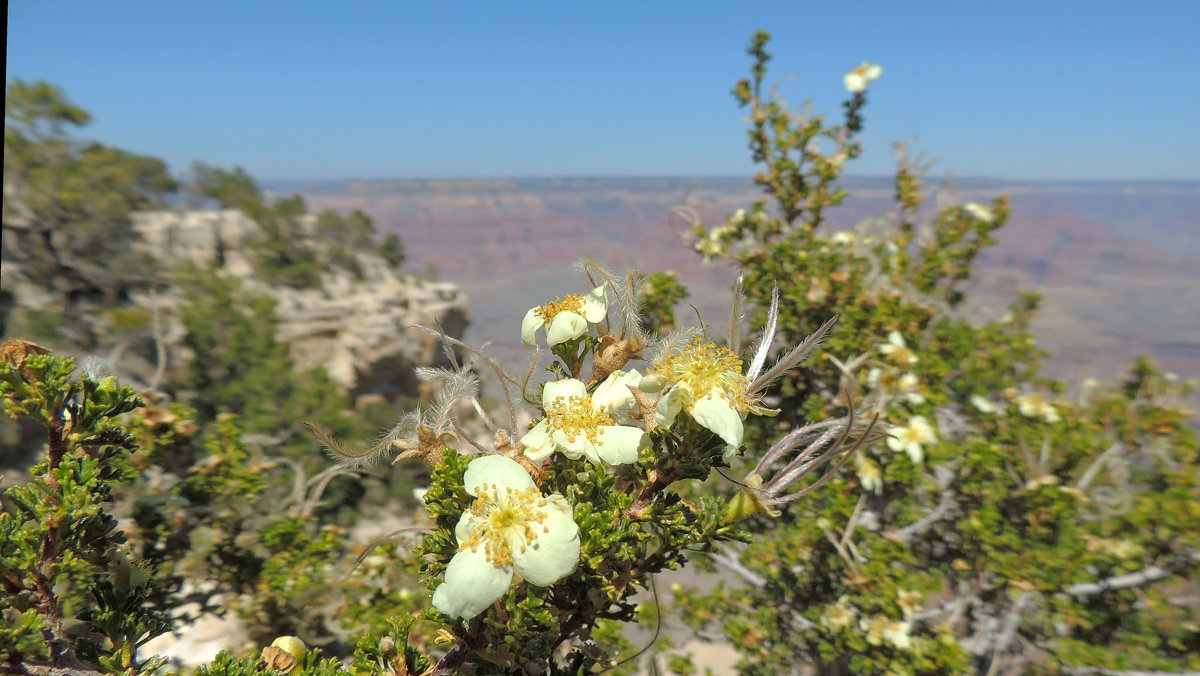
[(360, 327)]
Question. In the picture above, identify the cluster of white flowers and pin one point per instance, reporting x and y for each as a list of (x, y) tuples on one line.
[(511, 530), (891, 382), (877, 629), (579, 425)]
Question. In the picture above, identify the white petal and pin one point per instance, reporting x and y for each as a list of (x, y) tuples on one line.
[(854, 82), (565, 326), (565, 388), (529, 326), (538, 444), (574, 450), (915, 452), (555, 552), (466, 524), (669, 406), (595, 304), (472, 584), (894, 443), (613, 394), (619, 445), (652, 383), (718, 415), (496, 470)]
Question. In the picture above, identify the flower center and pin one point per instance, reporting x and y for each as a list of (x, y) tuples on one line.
[(571, 302), (504, 520), (574, 416), (703, 369)]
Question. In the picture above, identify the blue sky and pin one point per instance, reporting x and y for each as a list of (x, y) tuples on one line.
[(1038, 90)]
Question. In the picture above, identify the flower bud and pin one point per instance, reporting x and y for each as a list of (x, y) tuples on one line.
[(284, 653)]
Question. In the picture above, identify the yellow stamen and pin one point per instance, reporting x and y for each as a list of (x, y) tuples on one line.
[(569, 303), (574, 416), (504, 518), (703, 369)]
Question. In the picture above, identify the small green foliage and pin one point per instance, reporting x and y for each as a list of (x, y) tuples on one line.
[(661, 292), (60, 542)]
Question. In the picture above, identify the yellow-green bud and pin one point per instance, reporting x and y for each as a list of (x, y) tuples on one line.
[(291, 645), (284, 653), (748, 502)]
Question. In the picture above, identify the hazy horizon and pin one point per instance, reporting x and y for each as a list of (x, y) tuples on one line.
[(933, 177)]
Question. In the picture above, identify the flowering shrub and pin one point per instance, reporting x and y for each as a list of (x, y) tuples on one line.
[(1004, 527), (542, 536), (913, 498)]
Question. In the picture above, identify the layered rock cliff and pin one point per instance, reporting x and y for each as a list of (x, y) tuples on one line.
[(359, 325)]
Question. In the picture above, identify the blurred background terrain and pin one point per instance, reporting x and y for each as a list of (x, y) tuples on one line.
[(1116, 261)]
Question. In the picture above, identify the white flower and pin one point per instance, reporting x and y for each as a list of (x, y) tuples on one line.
[(985, 405), (707, 382), (844, 237), (910, 437), (869, 474), (874, 628), (908, 385), (838, 616), (898, 350), (880, 629), (711, 245), (858, 79), (566, 318), (1035, 406), (873, 376), (583, 426), (509, 528), (980, 212), (896, 633)]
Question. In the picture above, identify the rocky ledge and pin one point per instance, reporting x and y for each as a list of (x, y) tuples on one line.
[(359, 325)]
